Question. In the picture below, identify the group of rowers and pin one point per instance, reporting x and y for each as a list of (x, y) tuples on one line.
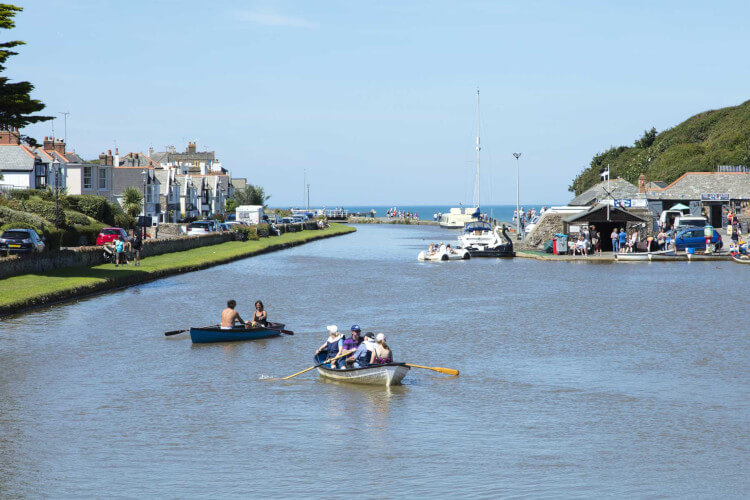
[(357, 351), (441, 248), (229, 316)]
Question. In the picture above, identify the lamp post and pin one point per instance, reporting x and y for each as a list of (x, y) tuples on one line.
[(56, 171), (145, 178), (518, 210)]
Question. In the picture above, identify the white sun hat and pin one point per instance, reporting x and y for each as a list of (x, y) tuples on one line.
[(332, 329), (380, 337)]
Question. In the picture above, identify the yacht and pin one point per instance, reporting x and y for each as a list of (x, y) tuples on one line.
[(458, 217), (480, 239)]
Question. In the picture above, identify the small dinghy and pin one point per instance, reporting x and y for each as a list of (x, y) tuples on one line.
[(208, 334), (741, 259), (385, 375), (631, 257), (440, 255)]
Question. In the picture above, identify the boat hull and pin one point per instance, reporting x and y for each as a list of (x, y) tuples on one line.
[(215, 334), (459, 254), (741, 260), (381, 375)]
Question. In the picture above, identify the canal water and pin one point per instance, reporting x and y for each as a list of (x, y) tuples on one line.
[(577, 380)]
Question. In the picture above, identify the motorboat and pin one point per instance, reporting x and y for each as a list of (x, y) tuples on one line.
[(385, 375), (444, 253), (481, 240), (458, 217)]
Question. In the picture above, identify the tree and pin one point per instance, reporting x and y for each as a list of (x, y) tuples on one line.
[(649, 136), (132, 201), (16, 104), (251, 195)]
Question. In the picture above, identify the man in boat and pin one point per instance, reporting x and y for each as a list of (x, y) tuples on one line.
[(362, 356), (229, 316), (354, 340)]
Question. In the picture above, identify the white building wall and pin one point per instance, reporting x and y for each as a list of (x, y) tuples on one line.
[(23, 179)]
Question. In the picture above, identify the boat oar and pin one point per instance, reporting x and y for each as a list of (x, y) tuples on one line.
[(287, 332), (308, 369), (447, 371), (175, 332)]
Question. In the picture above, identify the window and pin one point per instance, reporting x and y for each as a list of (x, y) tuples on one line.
[(102, 178), (87, 181), (205, 196), (149, 194), (41, 175)]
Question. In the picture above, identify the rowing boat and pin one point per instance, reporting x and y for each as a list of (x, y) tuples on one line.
[(217, 334), (741, 259), (386, 374)]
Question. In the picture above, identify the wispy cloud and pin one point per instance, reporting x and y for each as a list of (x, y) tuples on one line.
[(266, 18)]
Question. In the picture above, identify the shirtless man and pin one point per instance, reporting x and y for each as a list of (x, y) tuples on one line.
[(229, 316)]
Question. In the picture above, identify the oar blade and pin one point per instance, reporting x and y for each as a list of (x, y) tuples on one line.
[(174, 332), (447, 371)]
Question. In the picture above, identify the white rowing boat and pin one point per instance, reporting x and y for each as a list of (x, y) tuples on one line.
[(440, 255), (385, 375)]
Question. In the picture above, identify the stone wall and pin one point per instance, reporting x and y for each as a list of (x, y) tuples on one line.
[(549, 224), (93, 256)]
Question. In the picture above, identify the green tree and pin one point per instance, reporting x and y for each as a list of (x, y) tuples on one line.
[(251, 195), (132, 201), (16, 104), (649, 136)]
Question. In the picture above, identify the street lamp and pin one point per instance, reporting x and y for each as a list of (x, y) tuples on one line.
[(56, 171), (518, 211), (145, 178)]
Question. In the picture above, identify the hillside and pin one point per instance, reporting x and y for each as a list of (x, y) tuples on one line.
[(699, 144)]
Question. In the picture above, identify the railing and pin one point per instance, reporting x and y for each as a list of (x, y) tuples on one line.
[(6, 188), (732, 168)]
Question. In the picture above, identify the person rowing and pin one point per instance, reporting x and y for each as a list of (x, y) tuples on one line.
[(229, 316), (333, 346), (363, 356)]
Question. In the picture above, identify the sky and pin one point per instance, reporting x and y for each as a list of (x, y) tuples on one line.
[(375, 102)]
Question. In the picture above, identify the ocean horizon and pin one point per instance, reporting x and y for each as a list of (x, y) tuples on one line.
[(425, 212)]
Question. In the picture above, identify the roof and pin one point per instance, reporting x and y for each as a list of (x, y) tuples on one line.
[(618, 188), (125, 177), (16, 157), (691, 185), (598, 213)]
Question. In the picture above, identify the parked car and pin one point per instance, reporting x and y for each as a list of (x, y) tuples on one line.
[(531, 224), (21, 241), (300, 218), (214, 223), (223, 226), (231, 218), (110, 234), (287, 220), (694, 238), (200, 227)]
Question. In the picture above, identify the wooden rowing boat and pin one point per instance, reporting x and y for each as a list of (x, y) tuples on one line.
[(385, 375), (741, 259), (216, 334)]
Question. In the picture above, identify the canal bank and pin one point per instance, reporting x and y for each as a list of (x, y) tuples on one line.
[(20, 293)]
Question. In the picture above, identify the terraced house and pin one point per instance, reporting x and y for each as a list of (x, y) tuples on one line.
[(26, 167)]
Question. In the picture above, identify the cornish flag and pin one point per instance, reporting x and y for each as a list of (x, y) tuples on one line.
[(605, 174)]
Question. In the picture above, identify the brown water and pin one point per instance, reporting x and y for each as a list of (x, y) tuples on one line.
[(577, 380)]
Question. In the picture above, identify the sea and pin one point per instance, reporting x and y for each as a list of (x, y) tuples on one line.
[(426, 212)]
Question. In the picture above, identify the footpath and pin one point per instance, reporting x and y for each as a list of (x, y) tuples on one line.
[(19, 293)]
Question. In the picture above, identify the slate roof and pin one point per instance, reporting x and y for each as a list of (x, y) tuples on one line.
[(691, 185), (15, 157), (598, 213), (167, 157), (619, 188)]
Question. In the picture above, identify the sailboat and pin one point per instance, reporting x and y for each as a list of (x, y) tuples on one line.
[(458, 217)]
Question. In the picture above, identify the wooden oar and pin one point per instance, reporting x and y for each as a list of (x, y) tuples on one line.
[(447, 371), (308, 369), (175, 332), (287, 332)]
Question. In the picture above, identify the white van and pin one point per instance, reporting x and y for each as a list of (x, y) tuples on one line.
[(250, 214), (690, 221)]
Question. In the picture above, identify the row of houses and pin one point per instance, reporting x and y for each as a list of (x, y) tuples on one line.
[(176, 185)]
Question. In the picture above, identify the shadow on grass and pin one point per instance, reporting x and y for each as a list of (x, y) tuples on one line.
[(105, 273)]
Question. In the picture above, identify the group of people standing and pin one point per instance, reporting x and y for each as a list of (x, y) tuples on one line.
[(393, 213), (356, 351), (122, 247), (589, 241)]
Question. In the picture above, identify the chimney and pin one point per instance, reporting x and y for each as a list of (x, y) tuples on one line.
[(191, 147), (110, 159), (49, 143), (10, 136), (59, 146), (642, 183), (103, 159), (116, 159), (151, 151)]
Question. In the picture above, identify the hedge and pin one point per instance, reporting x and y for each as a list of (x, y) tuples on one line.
[(46, 210), (77, 218), (245, 233), (8, 215)]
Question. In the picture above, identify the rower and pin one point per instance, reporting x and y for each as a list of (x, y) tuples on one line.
[(260, 317), (229, 316), (364, 353)]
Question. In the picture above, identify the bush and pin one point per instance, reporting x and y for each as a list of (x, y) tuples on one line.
[(8, 215), (124, 221), (17, 225), (10, 203), (244, 233), (263, 230), (77, 218), (96, 207), (20, 194), (81, 235), (52, 237), (46, 210)]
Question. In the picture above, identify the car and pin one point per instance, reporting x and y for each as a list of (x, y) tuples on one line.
[(287, 220), (231, 218), (531, 224), (110, 234), (200, 227), (300, 218), (21, 241), (223, 226), (694, 238)]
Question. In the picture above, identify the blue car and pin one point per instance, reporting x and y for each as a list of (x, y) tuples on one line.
[(694, 238)]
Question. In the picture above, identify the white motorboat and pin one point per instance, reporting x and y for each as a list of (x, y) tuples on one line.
[(385, 375), (445, 254), (481, 240)]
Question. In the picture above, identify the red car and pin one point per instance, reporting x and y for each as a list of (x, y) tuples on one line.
[(110, 234)]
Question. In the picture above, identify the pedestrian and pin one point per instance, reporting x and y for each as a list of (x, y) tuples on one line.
[(615, 240), (434, 216), (119, 248), (622, 239), (136, 245)]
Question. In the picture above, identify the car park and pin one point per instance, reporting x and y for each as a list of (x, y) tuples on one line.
[(21, 241), (110, 234), (200, 227)]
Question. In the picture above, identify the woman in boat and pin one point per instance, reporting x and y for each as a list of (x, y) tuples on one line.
[(260, 317), (382, 353), (333, 346)]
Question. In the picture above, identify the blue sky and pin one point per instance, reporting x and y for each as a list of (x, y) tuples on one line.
[(376, 100)]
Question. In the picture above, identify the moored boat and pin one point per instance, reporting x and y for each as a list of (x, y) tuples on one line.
[(481, 240), (215, 333), (440, 255), (741, 259), (385, 375)]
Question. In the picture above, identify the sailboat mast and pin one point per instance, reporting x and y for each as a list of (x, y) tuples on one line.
[(476, 181)]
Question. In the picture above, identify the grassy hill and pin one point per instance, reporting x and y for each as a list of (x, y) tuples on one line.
[(699, 144)]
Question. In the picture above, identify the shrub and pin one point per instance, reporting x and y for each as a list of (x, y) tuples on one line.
[(81, 235), (10, 203), (77, 218), (8, 215), (244, 233), (96, 207), (20, 194), (124, 221), (263, 230), (17, 225), (46, 210)]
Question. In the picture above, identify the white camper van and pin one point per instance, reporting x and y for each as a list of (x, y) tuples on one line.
[(250, 214)]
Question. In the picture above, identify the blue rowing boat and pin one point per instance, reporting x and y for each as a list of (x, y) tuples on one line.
[(216, 334)]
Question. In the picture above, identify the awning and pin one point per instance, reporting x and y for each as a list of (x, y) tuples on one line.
[(599, 213), (680, 206)]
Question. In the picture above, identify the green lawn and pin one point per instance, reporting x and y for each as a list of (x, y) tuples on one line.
[(27, 290)]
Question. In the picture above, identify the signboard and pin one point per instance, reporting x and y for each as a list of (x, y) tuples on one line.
[(144, 221), (715, 197), (630, 203), (575, 229)]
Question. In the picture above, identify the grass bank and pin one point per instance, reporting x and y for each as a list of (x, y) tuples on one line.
[(29, 290)]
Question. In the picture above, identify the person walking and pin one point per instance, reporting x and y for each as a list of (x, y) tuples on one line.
[(119, 248), (136, 245), (615, 240), (622, 239)]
